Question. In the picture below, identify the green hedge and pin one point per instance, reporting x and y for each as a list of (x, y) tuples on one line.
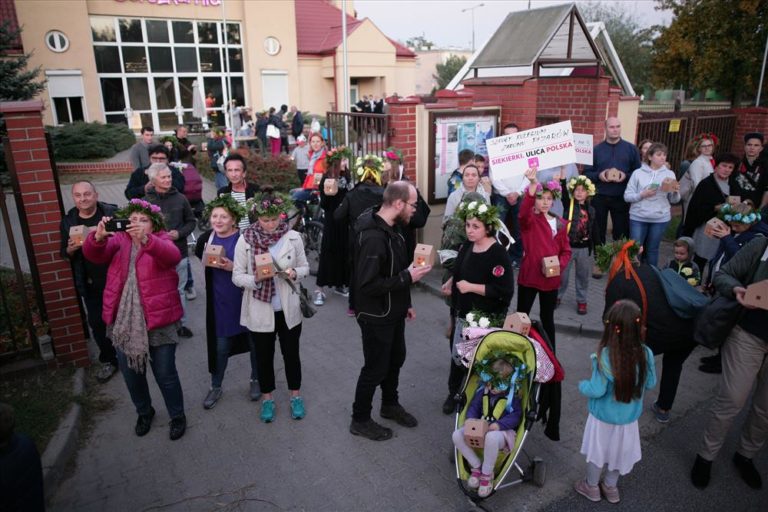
[(88, 141)]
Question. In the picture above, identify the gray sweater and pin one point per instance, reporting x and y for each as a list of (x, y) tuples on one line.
[(178, 215)]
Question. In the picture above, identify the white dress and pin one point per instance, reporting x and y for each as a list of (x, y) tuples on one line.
[(618, 446)]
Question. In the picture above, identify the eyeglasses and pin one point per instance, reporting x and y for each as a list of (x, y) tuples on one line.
[(415, 206)]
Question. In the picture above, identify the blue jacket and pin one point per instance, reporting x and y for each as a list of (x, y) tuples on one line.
[(599, 388), (508, 421), (730, 245), (623, 156)]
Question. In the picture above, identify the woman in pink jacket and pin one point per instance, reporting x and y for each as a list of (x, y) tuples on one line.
[(142, 308)]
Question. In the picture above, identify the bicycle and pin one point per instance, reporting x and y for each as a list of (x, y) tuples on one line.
[(308, 220)]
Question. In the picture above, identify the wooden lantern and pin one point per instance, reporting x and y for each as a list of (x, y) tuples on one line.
[(331, 186), (670, 185), (264, 267), (423, 255), (550, 266), (757, 295), (474, 432), (318, 177), (518, 322), (77, 234), (213, 255), (613, 174), (734, 200), (713, 224)]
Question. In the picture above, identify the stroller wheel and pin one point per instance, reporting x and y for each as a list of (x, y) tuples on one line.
[(539, 472)]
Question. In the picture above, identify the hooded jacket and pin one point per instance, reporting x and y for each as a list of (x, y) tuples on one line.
[(381, 284), (602, 403), (655, 208)]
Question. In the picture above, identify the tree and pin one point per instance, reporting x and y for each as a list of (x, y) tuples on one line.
[(447, 70), (18, 83), (419, 42), (631, 41), (712, 44)]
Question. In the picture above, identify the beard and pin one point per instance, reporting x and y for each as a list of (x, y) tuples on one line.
[(403, 218)]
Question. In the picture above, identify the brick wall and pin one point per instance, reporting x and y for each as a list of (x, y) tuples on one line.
[(94, 168), (40, 205), (751, 119), (402, 127)]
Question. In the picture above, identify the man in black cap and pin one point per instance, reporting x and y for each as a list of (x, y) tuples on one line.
[(752, 175)]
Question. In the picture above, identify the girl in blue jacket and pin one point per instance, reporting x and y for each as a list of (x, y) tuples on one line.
[(622, 369)]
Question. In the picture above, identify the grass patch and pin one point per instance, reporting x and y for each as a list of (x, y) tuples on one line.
[(40, 401)]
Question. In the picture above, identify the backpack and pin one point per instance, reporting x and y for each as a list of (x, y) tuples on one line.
[(683, 298)]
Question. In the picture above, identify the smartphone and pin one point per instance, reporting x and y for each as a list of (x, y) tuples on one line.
[(117, 224)]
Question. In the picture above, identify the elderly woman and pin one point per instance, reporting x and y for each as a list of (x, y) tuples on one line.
[(270, 306), (142, 307), (225, 335), (482, 279)]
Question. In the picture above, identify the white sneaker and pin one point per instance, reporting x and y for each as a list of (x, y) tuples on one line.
[(319, 298)]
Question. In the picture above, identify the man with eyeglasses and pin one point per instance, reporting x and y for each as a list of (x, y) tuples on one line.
[(139, 185), (383, 274)]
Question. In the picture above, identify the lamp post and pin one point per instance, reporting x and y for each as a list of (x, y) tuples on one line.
[(472, 10)]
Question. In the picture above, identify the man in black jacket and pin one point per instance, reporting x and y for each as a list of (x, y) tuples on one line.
[(90, 278), (382, 279), (297, 123)]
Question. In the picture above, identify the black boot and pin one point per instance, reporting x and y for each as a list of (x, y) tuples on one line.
[(700, 472), (747, 471)]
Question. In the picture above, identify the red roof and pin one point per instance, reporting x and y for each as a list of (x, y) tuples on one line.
[(8, 15), (318, 29)]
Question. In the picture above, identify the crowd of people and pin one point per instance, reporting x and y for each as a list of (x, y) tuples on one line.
[(135, 279)]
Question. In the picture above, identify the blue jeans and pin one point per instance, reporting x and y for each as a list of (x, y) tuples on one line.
[(162, 359), (648, 235), (181, 270), (223, 344)]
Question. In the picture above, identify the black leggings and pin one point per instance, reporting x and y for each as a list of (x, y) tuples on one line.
[(265, 354), (672, 366), (547, 303)]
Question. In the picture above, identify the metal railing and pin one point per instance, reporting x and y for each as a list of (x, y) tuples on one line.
[(368, 133)]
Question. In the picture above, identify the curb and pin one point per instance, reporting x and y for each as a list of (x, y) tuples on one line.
[(575, 329), (63, 444)]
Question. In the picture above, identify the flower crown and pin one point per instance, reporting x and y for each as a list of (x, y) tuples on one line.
[(551, 186), (705, 135), (370, 167), (742, 213), (605, 253), (338, 154), (584, 182), (227, 202), (485, 213), (392, 153), (269, 204), (484, 370), (141, 206)]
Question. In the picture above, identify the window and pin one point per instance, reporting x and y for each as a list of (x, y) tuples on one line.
[(68, 110), (134, 59), (112, 92), (160, 59), (157, 31), (206, 33), (183, 32), (107, 59), (186, 60), (103, 29), (56, 41), (130, 31)]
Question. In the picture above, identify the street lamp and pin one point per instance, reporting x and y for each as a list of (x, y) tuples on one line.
[(472, 9)]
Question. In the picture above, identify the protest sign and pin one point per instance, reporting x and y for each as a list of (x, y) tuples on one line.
[(584, 147), (544, 147)]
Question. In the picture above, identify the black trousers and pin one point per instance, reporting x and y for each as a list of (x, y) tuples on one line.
[(619, 211), (93, 307), (672, 366), (384, 355), (264, 343), (457, 373), (547, 303)]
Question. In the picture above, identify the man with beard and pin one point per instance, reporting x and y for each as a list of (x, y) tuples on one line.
[(382, 299)]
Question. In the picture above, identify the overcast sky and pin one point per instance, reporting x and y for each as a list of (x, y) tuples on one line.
[(443, 23)]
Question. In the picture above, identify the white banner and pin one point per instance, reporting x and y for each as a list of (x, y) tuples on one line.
[(544, 147), (584, 148)]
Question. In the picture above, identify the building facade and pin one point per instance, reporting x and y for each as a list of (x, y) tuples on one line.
[(148, 62)]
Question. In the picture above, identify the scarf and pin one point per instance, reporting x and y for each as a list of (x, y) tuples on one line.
[(129, 332), (261, 241), (314, 157)]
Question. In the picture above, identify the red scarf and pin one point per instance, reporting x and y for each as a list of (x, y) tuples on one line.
[(261, 241)]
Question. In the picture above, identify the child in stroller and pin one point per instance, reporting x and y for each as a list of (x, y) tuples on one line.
[(497, 404)]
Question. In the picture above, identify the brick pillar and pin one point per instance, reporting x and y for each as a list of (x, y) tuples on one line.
[(402, 126), (39, 204), (749, 119)]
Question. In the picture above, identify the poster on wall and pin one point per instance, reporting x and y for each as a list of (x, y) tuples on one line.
[(583, 142), (452, 135), (543, 147)]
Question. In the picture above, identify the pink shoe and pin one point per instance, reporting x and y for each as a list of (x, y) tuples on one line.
[(474, 479), (592, 493), (611, 494), (486, 485)]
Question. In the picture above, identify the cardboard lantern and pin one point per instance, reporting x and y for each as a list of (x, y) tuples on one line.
[(670, 185), (264, 267), (423, 255), (330, 187), (213, 255), (713, 224), (77, 234), (474, 432), (318, 177), (613, 174), (550, 266), (518, 322), (757, 295), (733, 200)]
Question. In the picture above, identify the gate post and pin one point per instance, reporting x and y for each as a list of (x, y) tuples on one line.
[(402, 128), (38, 204)]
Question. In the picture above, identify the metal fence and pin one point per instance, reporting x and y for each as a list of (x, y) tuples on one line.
[(368, 133), (676, 129)]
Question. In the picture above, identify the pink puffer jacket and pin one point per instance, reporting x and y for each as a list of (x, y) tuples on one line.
[(155, 272)]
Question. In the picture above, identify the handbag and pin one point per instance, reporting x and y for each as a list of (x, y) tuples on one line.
[(305, 304), (716, 320), (273, 132)]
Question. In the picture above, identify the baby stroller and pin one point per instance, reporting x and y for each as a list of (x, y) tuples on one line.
[(507, 462)]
